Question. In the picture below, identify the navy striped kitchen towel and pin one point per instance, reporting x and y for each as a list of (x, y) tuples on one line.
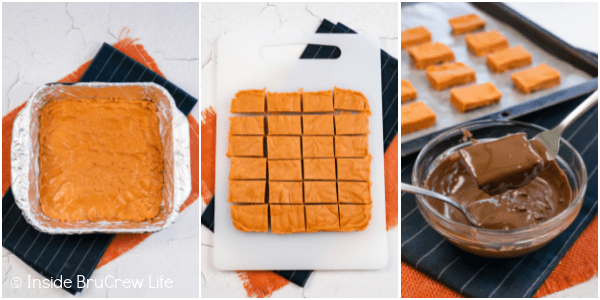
[(389, 91), (75, 257), (473, 276)]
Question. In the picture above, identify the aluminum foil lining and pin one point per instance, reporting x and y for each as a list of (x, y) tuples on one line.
[(435, 16), (174, 134)]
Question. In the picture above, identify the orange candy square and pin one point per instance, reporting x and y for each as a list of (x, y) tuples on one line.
[(351, 146), (475, 96), (344, 99), (317, 101), (285, 192), (317, 146), (319, 168), (414, 36), (247, 125), (320, 192), (283, 147), (284, 125), (407, 91), (352, 123), (450, 74), (285, 169), (246, 191), (354, 217), (248, 168), (322, 218), (245, 146), (508, 59), (416, 116), (248, 218), (354, 192), (537, 78), (249, 101), (287, 218), (466, 23), (318, 124), (283, 102), (354, 168), (483, 43), (428, 54)]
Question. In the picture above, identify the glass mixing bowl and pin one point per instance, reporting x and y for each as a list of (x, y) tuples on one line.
[(497, 243)]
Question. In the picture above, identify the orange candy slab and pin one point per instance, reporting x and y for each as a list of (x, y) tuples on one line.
[(248, 168), (246, 191), (285, 192), (351, 146), (416, 116), (484, 43), (349, 100), (322, 218), (407, 91), (319, 168), (285, 169), (249, 101), (354, 192), (474, 96), (248, 218), (309, 138), (428, 54), (287, 218), (354, 168), (466, 23), (283, 147), (449, 74), (317, 146), (537, 78), (414, 36), (317, 101), (318, 124), (508, 59), (354, 217), (284, 125), (320, 192), (283, 102), (351, 123), (247, 125), (82, 142), (245, 146)]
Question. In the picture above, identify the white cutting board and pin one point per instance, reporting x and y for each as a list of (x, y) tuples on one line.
[(240, 66)]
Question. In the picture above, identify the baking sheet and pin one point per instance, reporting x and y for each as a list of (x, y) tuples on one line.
[(435, 16)]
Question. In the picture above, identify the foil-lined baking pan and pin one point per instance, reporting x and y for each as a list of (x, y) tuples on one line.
[(174, 135)]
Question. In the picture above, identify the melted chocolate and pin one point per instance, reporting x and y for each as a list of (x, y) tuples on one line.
[(542, 198)]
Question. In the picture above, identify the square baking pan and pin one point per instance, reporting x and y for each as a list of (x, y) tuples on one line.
[(579, 69), (174, 135)]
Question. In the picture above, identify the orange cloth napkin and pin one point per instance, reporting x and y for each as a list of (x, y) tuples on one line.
[(122, 242)]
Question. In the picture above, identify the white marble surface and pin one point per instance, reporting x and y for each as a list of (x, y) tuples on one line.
[(217, 19), (43, 42)]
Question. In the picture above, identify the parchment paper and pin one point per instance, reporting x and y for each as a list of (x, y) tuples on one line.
[(435, 16)]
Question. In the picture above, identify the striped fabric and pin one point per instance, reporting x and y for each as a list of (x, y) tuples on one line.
[(71, 256), (111, 65), (389, 88), (474, 276)]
